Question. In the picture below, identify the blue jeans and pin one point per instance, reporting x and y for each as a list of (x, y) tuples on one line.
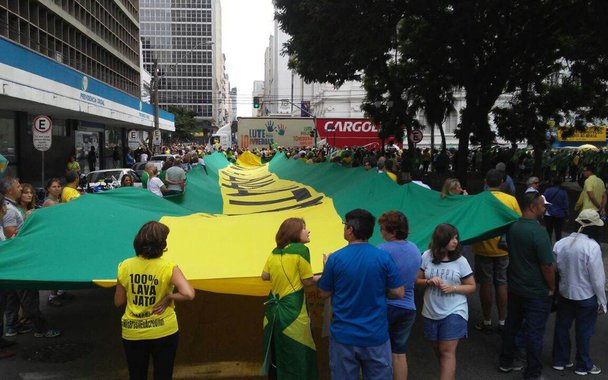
[(346, 360), (584, 314), (535, 311), (29, 301)]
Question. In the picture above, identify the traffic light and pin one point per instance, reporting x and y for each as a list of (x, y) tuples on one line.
[(256, 102)]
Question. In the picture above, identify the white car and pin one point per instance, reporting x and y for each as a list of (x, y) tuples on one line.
[(162, 157), (110, 178)]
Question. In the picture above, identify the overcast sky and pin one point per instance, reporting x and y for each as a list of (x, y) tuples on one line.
[(246, 27)]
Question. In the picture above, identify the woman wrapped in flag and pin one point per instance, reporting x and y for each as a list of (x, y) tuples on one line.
[(289, 350)]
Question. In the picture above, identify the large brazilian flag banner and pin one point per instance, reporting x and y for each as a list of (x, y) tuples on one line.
[(223, 227)]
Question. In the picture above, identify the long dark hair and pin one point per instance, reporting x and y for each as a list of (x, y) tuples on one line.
[(441, 238)]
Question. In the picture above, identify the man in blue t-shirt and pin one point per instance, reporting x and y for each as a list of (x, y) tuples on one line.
[(359, 277)]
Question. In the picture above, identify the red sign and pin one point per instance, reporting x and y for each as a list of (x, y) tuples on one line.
[(348, 132)]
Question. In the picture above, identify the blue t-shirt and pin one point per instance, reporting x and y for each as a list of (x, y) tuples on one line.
[(358, 275), (407, 258)]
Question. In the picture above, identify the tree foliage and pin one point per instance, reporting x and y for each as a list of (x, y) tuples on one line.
[(185, 126), (413, 55)]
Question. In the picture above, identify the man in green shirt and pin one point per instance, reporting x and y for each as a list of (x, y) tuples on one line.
[(531, 284)]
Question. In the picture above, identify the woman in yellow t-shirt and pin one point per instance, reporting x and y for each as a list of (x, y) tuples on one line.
[(289, 350), (73, 165), (145, 283)]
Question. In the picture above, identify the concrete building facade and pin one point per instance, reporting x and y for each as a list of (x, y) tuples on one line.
[(184, 38), (76, 62)]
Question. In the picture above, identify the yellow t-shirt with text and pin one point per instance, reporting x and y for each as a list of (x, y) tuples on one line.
[(490, 247), (147, 281)]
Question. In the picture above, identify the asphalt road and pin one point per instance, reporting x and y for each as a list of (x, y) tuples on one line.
[(220, 337)]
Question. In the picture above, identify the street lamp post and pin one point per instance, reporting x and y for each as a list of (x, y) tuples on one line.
[(155, 80), (154, 89), (156, 77)]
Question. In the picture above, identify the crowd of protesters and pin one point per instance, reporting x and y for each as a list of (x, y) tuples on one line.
[(372, 293), (372, 288)]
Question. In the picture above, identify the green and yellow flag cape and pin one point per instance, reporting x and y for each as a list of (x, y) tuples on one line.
[(223, 227)]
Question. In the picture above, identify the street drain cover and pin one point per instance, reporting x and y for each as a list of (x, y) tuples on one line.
[(60, 352)]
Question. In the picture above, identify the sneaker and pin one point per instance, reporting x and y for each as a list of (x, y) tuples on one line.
[(486, 329), (516, 366), (21, 329), (50, 333), (595, 370), (563, 367), (24, 329)]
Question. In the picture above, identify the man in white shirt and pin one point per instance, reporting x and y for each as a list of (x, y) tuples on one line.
[(533, 184), (582, 296), (417, 179)]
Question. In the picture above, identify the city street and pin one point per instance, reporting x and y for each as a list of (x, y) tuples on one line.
[(221, 337)]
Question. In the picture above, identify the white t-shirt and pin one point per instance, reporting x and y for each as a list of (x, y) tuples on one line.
[(422, 184), (438, 305), (154, 185), (143, 157)]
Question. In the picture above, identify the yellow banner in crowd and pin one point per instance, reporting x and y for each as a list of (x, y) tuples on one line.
[(589, 134), (226, 253)]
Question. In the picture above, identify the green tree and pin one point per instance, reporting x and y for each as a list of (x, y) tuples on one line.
[(478, 46), (570, 87), (185, 126)]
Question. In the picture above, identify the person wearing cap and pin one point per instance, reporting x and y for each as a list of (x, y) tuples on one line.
[(593, 190), (582, 296), (531, 286)]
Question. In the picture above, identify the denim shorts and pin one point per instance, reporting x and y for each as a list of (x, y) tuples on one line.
[(400, 322), (347, 361), (452, 327)]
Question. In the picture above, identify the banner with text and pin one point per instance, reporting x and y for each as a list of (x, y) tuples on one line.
[(589, 134), (348, 132), (263, 132)]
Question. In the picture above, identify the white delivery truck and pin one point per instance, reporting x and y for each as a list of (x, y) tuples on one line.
[(223, 137)]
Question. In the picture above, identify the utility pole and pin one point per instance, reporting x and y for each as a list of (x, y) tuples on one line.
[(309, 114), (155, 85)]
